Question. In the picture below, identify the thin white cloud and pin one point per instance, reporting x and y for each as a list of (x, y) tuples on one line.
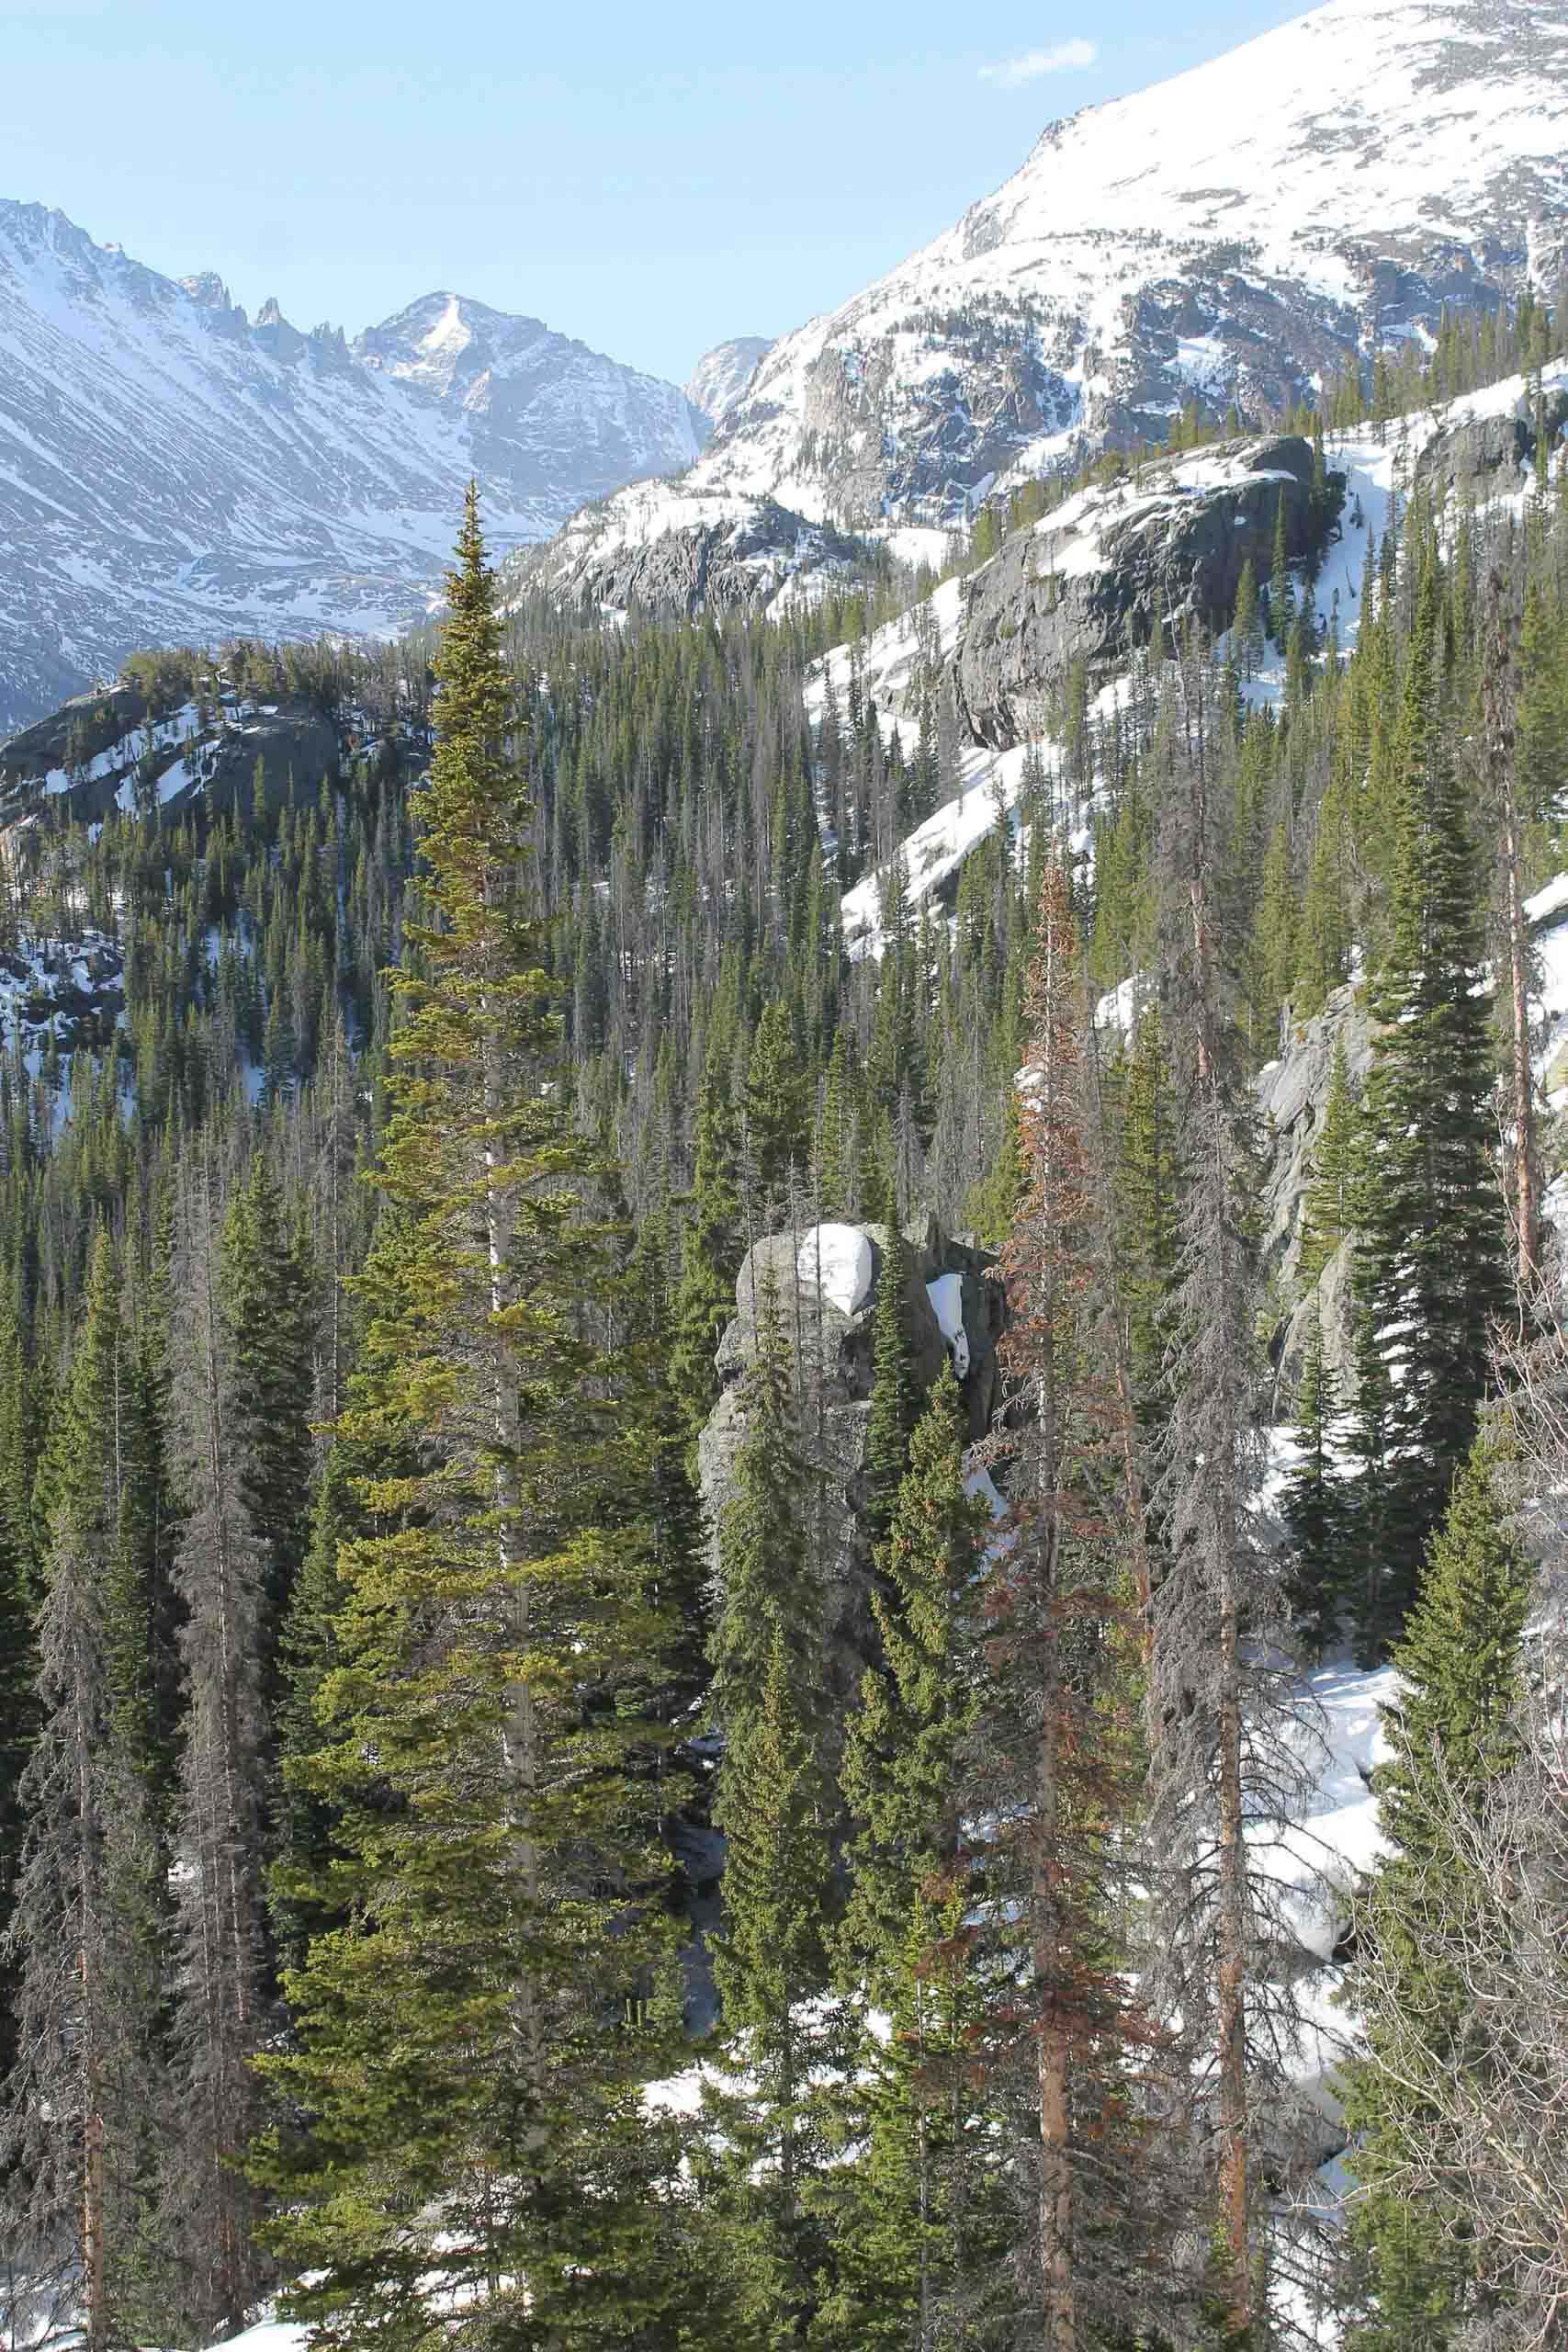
[(1065, 56)]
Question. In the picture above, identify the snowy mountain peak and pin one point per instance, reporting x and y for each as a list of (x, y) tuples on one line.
[(169, 473), (205, 288), (722, 374), (1240, 233)]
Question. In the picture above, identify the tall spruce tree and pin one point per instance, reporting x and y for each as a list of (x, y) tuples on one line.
[(766, 2135), (711, 1248), (918, 2228), (1452, 1738), (894, 1403), (479, 2165), (1431, 1266), (265, 1284)]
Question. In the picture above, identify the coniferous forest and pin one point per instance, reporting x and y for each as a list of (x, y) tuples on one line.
[(568, 1778)]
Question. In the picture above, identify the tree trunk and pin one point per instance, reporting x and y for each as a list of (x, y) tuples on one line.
[(1232, 1907)]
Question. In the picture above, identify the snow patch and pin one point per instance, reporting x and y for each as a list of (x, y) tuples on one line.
[(946, 1295), (837, 1261)]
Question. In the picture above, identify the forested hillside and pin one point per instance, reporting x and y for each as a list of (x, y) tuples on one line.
[(678, 1443)]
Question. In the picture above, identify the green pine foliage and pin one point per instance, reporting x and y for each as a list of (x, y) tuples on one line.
[(656, 832), (893, 1398), (1316, 1507), (1431, 1268), (1460, 1666), (470, 2044)]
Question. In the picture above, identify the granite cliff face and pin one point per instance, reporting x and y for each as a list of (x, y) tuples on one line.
[(721, 376), (1095, 581)]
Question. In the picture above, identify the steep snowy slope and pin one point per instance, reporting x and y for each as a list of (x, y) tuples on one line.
[(1240, 231), (167, 471)]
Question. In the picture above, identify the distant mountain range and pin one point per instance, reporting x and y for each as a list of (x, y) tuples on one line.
[(1240, 233), (170, 469)]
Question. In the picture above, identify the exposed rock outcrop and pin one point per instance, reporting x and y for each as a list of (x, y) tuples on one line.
[(1094, 582), (1486, 456), (705, 555), (833, 1347), (113, 749), (1293, 1092)]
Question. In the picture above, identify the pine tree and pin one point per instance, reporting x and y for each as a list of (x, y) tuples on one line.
[(1452, 1737), (1315, 1509), (776, 1102), (1430, 1269), (478, 2163), (265, 1283), (711, 1251), (894, 1404), (1246, 628), (84, 2103), (765, 2127), (1282, 591), (902, 1743)]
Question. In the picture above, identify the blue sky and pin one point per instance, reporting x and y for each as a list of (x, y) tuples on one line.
[(652, 182)]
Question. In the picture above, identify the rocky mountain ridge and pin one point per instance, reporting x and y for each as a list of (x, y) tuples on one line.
[(721, 376), (1242, 232), (170, 473)]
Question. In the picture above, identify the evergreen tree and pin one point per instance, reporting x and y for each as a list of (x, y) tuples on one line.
[(478, 2163), (1431, 1268), (1452, 1737), (711, 1250), (84, 2104), (265, 1283), (903, 1742), (894, 1403), (1315, 1509), (777, 1094), (765, 2126)]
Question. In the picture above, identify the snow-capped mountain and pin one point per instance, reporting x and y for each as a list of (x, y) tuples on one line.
[(169, 472), (722, 374), (1241, 231)]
